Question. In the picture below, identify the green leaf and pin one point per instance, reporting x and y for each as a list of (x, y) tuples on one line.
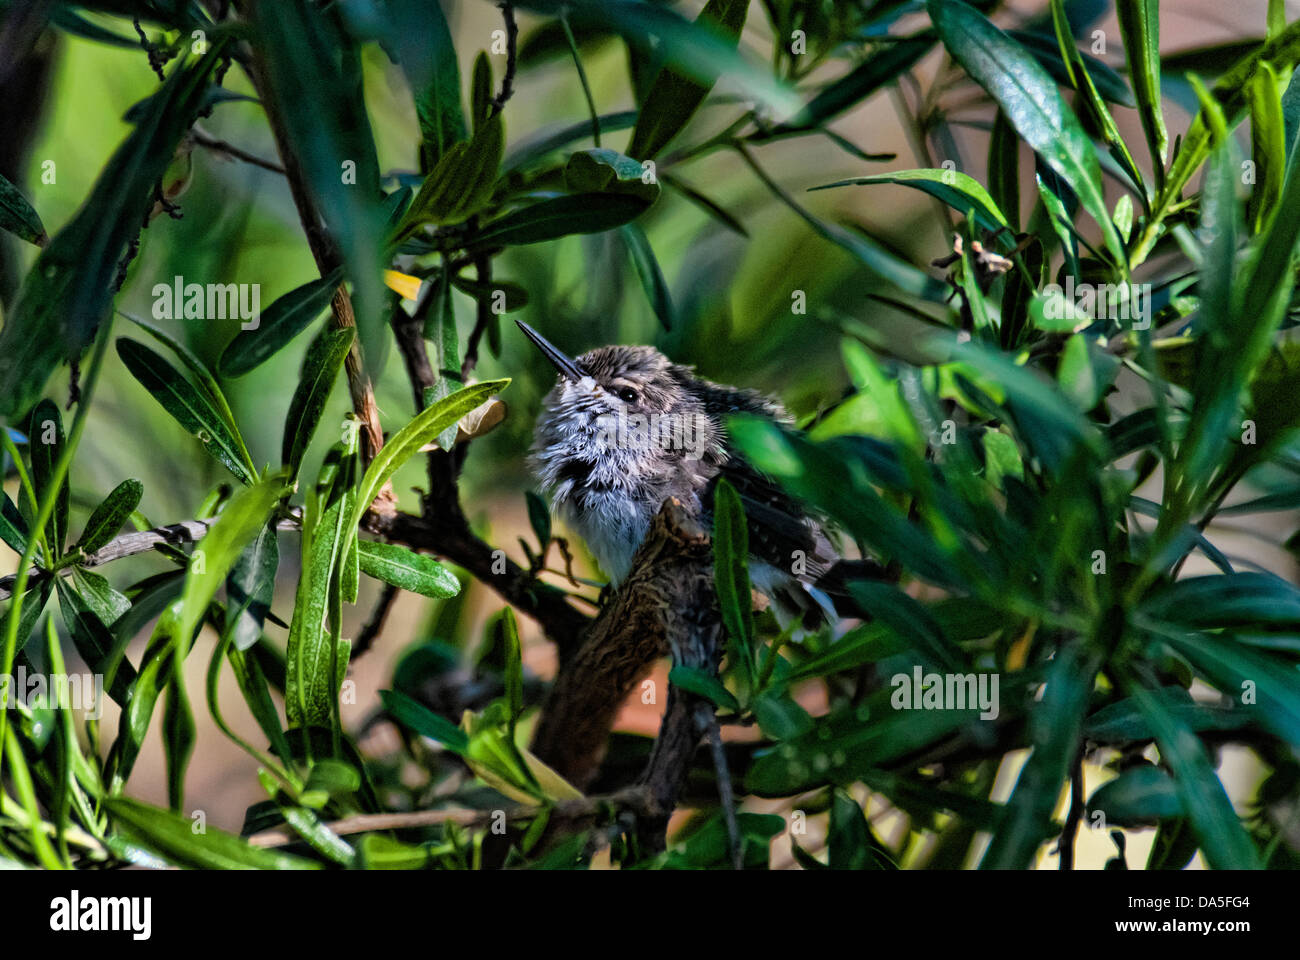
[(17, 215), (1138, 797), (649, 273), (68, 290), (704, 684), (874, 73), (851, 845), (958, 190), (419, 34), (108, 518), (539, 517), (190, 408), (558, 217), (46, 441), (694, 51), (1258, 600), (1265, 685), (1086, 371), (1268, 150), (283, 320), (320, 369), (462, 183), (731, 572), (13, 528), (172, 836), (406, 569), (407, 442), (609, 172), (314, 86), (1224, 841), (243, 518), (780, 717), (178, 740), (674, 97), (419, 718), (1004, 169), (512, 673), (251, 586), (1139, 24), (329, 539), (329, 779), (1031, 102), (1054, 726), (1123, 721)]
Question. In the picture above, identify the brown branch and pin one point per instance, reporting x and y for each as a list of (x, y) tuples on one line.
[(666, 605), (327, 258), (207, 140), (585, 808), (446, 532)]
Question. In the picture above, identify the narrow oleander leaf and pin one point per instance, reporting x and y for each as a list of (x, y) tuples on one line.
[(872, 75), (320, 370), (605, 171), (558, 217), (1268, 148), (1139, 25), (188, 406), (419, 36), (649, 273), (68, 290), (45, 429), (94, 641), (171, 836), (407, 569), (463, 181), (958, 190), (283, 320), (539, 518), (1138, 797), (1224, 840), (1031, 101), (250, 587), (512, 673), (1054, 725), (178, 739), (13, 528), (407, 442), (314, 86), (330, 534), (731, 570), (419, 718), (109, 517), (704, 684), (17, 215), (674, 97)]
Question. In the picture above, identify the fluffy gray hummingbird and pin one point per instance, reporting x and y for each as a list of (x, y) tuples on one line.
[(625, 428)]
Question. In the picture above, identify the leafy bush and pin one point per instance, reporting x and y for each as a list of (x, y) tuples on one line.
[(1004, 420)]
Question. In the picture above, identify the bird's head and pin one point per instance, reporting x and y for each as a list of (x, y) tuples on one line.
[(626, 408)]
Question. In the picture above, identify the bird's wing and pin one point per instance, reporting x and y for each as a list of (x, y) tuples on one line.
[(780, 529)]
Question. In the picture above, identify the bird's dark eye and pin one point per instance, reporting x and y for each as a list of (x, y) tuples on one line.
[(627, 395)]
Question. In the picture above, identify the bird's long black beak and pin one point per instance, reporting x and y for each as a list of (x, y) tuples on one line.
[(562, 362)]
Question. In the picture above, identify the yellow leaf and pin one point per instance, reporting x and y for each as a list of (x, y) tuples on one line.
[(406, 285)]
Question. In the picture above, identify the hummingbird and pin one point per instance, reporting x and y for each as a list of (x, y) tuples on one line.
[(625, 428)]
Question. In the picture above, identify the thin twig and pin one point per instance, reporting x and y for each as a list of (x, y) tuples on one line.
[(706, 720), (512, 49), (131, 544), (375, 624), (631, 799), (205, 139)]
